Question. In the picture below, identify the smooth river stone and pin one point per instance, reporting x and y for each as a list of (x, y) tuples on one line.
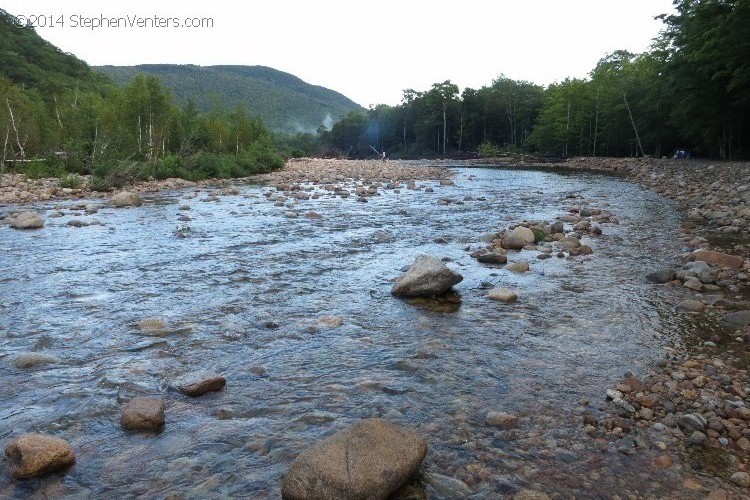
[(27, 220), (143, 413), (502, 295), (199, 383), (426, 277), (32, 455), (370, 459), (125, 199), (518, 238)]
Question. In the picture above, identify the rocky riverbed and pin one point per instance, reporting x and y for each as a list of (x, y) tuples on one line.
[(503, 379)]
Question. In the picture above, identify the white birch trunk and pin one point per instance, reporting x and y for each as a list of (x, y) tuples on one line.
[(15, 130)]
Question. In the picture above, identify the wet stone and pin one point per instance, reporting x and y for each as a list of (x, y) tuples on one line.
[(426, 277), (32, 455), (199, 383), (371, 459), (143, 413), (501, 419), (660, 277), (502, 295), (741, 479), (492, 258)]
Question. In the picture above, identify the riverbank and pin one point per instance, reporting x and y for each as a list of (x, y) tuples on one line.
[(17, 189)]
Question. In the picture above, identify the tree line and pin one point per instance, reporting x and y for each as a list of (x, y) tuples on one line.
[(691, 90), (59, 117)]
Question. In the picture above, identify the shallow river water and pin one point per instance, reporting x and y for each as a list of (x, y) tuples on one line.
[(246, 289)]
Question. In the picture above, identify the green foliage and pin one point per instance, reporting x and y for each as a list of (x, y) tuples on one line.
[(489, 150), (71, 181), (117, 175), (84, 124), (539, 234)]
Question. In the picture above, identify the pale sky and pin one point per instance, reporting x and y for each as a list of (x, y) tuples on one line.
[(369, 51)]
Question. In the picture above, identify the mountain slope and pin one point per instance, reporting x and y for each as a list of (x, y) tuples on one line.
[(30, 61), (284, 102)]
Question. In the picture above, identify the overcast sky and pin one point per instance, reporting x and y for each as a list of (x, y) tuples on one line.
[(369, 51)]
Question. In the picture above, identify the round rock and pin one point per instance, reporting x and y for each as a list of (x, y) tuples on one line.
[(501, 419), (741, 479), (518, 238), (27, 220), (125, 199), (518, 267), (426, 277), (502, 295), (143, 413), (32, 455), (370, 459)]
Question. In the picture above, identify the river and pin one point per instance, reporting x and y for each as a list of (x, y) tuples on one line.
[(243, 294)]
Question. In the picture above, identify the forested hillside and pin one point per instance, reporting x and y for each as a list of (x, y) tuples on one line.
[(59, 117), (284, 102), (690, 91)]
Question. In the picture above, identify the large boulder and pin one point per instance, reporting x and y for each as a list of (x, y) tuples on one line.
[(426, 277), (27, 220), (518, 238), (369, 460), (125, 199), (32, 455)]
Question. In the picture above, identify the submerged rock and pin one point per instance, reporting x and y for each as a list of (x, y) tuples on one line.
[(199, 383), (370, 459), (518, 267), (32, 359), (501, 419), (426, 277), (143, 413), (502, 295), (125, 199), (691, 306), (330, 321), (27, 220), (32, 455)]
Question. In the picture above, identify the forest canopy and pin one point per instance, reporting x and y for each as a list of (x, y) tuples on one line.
[(690, 91)]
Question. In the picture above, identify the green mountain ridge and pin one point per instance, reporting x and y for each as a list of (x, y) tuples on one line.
[(32, 62), (283, 101)]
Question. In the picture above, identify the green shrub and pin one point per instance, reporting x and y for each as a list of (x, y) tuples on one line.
[(118, 174), (170, 166), (71, 181), (40, 169), (489, 149), (539, 234)]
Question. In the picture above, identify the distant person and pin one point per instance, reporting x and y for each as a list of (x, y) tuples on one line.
[(383, 156)]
